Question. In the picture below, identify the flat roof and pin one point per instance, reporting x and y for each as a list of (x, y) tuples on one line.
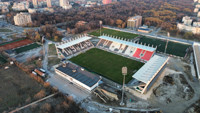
[(82, 76), (152, 67), (148, 48), (196, 47), (73, 42)]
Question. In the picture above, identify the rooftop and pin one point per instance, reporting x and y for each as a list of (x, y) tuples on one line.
[(79, 74), (72, 42), (148, 48), (150, 69)]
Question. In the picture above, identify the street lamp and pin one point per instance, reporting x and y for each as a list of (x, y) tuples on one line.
[(100, 23), (124, 73)]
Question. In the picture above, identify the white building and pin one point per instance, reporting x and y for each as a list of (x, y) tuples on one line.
[(65, 4), (20, 6), (22, 19), (196, 48), (187, 20), (196, 10), (193, 29), (78, 76)]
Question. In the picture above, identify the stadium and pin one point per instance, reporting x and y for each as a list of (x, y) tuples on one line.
[(106, 58)]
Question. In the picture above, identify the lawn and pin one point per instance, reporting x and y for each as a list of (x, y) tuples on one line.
[(107, 64), (114, 33), (26, 48), (2, 60), (5, 30), (52, 49), (173, 48)]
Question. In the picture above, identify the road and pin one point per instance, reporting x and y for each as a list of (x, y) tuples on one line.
[(45, 51), (153, 35)]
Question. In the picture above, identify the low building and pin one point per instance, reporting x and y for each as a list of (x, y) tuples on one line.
[(22, 19), (144, 29), (106, 1), (187, 20), (20, 6), (2, 17), (78, 76), (196, 10), (149, 73), (134, 22), (193, 29)]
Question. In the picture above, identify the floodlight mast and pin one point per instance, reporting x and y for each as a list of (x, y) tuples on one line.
[(100, 23), (124, 73)]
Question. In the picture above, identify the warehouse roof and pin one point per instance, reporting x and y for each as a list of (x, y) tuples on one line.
[(151, 68), (79, 74)]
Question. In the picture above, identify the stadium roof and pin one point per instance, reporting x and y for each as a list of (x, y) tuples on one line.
[(196, 47), (150, 69), (82, 76), (73, 42), (128, 43)]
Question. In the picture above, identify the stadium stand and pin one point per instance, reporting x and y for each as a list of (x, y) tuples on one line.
[(196, 47), (149, 73), (73, 46), (78, 76), (128, 48)]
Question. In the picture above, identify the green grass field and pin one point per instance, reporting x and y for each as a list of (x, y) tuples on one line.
[(107, 64), (26, 48), (2, 60), (5, 30), (173, 48), (114, 33)]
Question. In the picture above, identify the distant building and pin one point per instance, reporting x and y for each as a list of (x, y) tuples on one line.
[(193, 29), (196, 10), (20, 6), (65, 4), (35, 3), (107, 1), (22, 19), (49, 3), (134, 22), (187, 20)]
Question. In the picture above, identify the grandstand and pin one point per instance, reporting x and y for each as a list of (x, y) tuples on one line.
[(126, 47), (148, 74), (196, 47), (78, 76), (73, 46)]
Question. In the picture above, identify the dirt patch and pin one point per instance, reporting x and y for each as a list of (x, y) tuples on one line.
[(174, 88), (16, 88)]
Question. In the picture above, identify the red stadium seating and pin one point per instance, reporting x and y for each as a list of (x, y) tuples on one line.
[(137, 53), (143, 54), (147, 55)]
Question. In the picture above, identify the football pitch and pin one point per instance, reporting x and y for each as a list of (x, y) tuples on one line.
[(107, 64), (177, 49), (114, 33)]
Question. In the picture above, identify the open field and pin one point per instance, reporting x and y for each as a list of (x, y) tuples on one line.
[(2, 60), (173, 48), (26, 48), (107, 64), (5, 30), (114, 33), (15, 44), (16, 88), (52, 49)]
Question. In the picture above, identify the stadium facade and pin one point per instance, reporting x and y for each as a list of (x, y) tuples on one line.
[(196, 48), (147, 75)]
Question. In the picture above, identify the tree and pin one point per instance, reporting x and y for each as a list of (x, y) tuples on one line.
[(37, 36), (56, 38)]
